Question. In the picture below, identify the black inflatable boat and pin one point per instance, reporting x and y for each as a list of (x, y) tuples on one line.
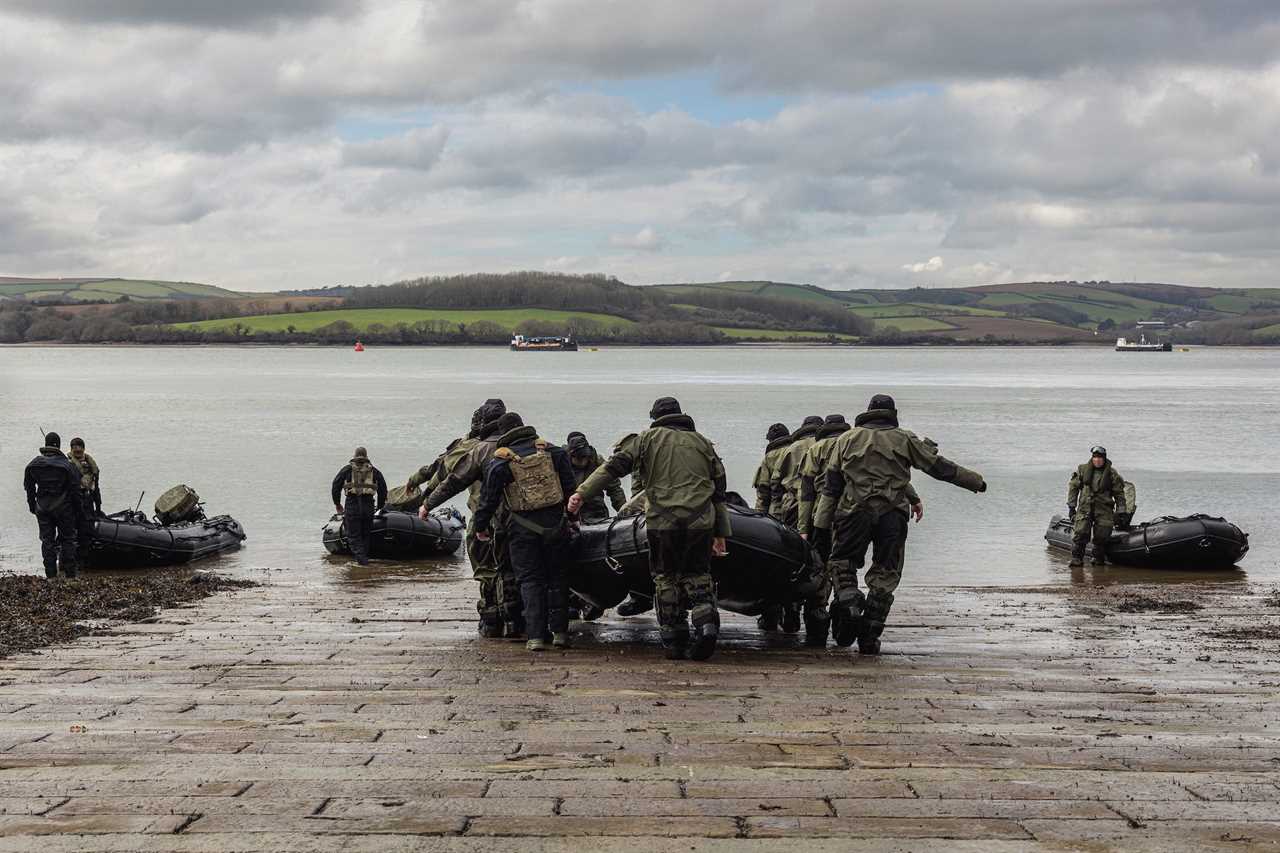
[(767, 564), (402, 535), (129, 540), (1195, 543)]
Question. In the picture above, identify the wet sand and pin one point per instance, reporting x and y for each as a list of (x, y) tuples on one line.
[(368, 717)]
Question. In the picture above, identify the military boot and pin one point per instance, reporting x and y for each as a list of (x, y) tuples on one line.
[(817, 626), (706, 628), (675, 642), (561, 640), (768, 620), (874, 615), (538, 644), (846, 616)]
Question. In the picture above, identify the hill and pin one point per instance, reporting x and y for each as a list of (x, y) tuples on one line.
[(1026, 312), (71, 290)]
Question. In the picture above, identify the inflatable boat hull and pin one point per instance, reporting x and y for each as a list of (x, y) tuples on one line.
[(767, 564), (400, 535), (1194, 543), (127, 540)]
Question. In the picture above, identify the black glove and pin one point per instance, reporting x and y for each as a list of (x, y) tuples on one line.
[(982, 487)]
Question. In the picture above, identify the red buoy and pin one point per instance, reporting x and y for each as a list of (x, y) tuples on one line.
[(359, 347)]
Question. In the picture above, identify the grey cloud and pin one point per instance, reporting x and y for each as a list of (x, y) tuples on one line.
[(419, 148), (189, 13)]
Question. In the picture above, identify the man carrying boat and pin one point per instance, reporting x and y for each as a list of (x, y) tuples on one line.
[(777, 437), (53, 496), (531, 478), (1095, 495), (685, 519), (361, 483), (585, 460), (865, 503), (499, 605)]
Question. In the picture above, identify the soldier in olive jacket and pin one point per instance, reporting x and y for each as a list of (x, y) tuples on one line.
[(686, 522), (777, 438), (499, 604), (1095, 496), (865, 503), (785, 480)]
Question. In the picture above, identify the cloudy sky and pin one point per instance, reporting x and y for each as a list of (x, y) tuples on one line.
[(267, 144)]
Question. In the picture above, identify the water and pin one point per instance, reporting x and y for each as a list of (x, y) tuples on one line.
[(261, 431)]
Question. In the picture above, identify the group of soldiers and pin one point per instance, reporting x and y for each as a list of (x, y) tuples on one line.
[(64, 494), (844, 487)]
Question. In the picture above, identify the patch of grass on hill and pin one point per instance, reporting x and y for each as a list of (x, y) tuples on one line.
[(914, 324), (108, 289), (362, 318)]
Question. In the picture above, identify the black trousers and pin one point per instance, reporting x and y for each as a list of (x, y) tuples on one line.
[(58, 538), (357, 523), (886, 535), (538, 563)]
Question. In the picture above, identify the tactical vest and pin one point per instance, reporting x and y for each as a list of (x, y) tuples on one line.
[(87, 469), (360, 482), (534, 482)]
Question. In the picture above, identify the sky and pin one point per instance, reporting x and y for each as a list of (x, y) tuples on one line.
[(273, 144)]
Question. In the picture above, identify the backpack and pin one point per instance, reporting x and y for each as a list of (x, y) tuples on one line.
[(534, 482)]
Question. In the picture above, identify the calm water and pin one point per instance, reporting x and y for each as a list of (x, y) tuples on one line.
[(260, 432)]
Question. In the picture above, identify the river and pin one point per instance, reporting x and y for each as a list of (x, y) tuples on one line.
[(260, 432)]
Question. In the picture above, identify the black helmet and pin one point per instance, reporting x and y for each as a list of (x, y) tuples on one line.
[(776, 432), (1098, 450), (52, 439), (882, 401), (509, 421), (833, 425), (492, 410), (664, 406), (812, 421)]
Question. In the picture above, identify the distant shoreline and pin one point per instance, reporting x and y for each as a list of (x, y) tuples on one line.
[(588, 347)]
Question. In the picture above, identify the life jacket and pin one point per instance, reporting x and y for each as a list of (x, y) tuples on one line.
[(360, 481), (534, 482)]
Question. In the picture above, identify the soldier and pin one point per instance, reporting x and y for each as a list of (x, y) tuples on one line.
[(784, 480), (90, 494), (53, 496), (864, 503), (776, 439), (813, 468), (532, 478), (361, 483), (499, 605), (585, 461), (686, 522), (1095, 495)]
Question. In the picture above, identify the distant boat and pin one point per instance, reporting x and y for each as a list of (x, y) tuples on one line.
[(359, 347), (520, 343), (1142, 345)]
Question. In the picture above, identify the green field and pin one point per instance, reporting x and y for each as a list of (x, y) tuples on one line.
[(107, 289), (780, 334), (1272, 331), (362, 318)]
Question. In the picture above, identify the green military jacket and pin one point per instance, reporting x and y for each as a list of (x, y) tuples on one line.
[(595, 508), (763, 482), (467, 474), (434, 474), (813, 475), (785, 481), (683, 476), (637, 479), (1097, 492), (869, 469)]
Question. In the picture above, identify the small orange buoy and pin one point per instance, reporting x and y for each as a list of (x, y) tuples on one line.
[(359, 347)]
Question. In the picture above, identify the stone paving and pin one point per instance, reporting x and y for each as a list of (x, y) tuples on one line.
[(368, 717)]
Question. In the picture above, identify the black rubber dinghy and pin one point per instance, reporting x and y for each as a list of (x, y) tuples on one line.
[(1194, 543), (402, 535), (767, 564), (129, 540)]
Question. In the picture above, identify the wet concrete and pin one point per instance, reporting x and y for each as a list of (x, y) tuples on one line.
[(365, 715)]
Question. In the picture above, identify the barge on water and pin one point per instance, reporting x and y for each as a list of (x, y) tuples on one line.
[(1142, 345), (520, 343)]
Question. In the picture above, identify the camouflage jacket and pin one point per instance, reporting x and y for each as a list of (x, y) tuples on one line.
[(1097, 491), (785, 480), (869, 469), (763, 482)]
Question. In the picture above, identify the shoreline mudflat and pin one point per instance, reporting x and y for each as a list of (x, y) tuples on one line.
[(311, 717)]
